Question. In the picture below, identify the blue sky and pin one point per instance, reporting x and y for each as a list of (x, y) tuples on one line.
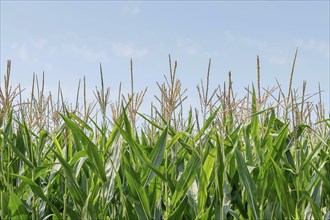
[(68, 40)]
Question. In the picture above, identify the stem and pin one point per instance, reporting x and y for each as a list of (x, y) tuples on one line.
[(65, 200), (34, 216), (67, 158), (166, 193), (1, 176), (103, 199)]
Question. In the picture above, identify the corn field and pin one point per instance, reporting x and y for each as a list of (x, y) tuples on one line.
[(262, 155)]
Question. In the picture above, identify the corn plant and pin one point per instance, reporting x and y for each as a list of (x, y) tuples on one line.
[(261, 156)]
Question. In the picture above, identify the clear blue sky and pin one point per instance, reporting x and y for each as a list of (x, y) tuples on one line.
[(69, 39)]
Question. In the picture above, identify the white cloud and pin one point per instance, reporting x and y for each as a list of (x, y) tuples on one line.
[(274, 54), (23, 52), (312, 44), (49, 67), (92, 55), (190, 50), (215, 53), (187, 45), (128, 50), (247, 41), (27, 52), (254, 43), (40, 44), (52, 50), (87, 53), (132, 10), (277, 60), (318, 45), (14, 45), (229, 36)]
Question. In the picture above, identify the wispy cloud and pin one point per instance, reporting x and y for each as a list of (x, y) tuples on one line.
[(22, 50), (87, 53), (128, 50), (187, 45), (26, 51), (132, 10), (312, 44), (245, 40), (49, 67), (276, 54), (40, 43), (277, 60)]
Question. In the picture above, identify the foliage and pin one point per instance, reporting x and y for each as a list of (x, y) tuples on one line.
[(259, 164)]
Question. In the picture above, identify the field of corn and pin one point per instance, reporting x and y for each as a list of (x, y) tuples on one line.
[(263, 155)]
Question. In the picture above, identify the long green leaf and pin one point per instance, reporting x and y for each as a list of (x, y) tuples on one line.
[(186, 179), (17, 209), (137, 189), (205, 178), (247, 182), (157, 154), (89, 146), (78, 195), (37, 190)]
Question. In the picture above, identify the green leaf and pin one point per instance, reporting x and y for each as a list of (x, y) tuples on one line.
[(179, 211), (151, 122), (205, 178), (270, 124), (37, 190), (315, 209), (282, 189), (20, 155), (137, 189), (89, 146), (141, 155), (255, 126), (247, 182), (174, 139), (127, 124), (17, 209), (186, 178), (75, 191), (206, 124), (157, 154)]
